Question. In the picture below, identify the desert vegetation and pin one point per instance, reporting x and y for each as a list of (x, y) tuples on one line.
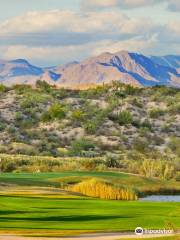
[(110, 127)]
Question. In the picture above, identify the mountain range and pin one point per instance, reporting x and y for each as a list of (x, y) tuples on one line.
[(127, 67)]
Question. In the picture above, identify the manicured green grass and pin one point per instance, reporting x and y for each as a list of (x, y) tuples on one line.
[(45, 211), (142, 184), (29, 213)]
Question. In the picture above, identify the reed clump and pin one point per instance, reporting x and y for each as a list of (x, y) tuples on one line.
[(99, 189)]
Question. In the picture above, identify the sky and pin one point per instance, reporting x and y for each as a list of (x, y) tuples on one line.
[(55, 32)]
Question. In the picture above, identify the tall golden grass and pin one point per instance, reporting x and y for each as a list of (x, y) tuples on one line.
[(103, 190)]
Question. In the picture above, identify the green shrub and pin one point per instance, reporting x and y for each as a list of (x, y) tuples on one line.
[(90, 127), (32, 112), (141, 145), (60, 93), (78, 115), (174, 108), (9, 167), (46, 163), (21, 89), (165, 91), (158, 140), (55, 112), (94, 118), (2, 88), (22, 148), (174, 145), (130, 90), (46, 117), (78, 146), (27, 123), (136, 123), (120, 94), (155, 113), (96, 92), (123, 89), (44, 86), (33, 102), (19, 116), (142, 124), (2, 126), (125, 117), (112, 161), (146, 124), (11, 129), (137, 103)]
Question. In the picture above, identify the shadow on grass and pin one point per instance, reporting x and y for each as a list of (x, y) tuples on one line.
[(73, 218), (7, 212), (44, 198)]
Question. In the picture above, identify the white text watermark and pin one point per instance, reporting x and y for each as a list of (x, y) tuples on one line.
[(141, 231)]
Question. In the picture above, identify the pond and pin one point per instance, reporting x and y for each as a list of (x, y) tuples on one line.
[(161, 198)]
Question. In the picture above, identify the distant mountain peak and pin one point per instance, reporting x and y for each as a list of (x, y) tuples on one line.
[(21, 61), (127, 67)]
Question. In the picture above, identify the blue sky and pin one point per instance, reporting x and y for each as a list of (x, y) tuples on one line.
[(51, 32), (12, 8)]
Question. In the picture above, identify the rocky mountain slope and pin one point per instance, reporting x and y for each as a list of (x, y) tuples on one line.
[(128, 68), (168, 61), (20, 71)]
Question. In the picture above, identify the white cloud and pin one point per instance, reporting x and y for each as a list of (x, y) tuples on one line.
[(67, 28), (170, 33), (37, 22), (157, 44), (50, 55), (68, 21), (174, 26), (133, 45), (58, 36)]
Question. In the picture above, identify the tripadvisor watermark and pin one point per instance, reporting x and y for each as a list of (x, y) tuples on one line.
[(140, 231)]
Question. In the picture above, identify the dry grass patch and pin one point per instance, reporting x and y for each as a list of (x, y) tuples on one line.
[(101, 189)]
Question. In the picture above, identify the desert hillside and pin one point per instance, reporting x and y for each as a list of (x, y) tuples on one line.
[(123, 125)]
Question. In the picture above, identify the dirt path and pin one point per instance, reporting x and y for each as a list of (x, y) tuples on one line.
[(110, 236)]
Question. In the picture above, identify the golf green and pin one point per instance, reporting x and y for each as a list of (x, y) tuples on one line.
[(34, 203)]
